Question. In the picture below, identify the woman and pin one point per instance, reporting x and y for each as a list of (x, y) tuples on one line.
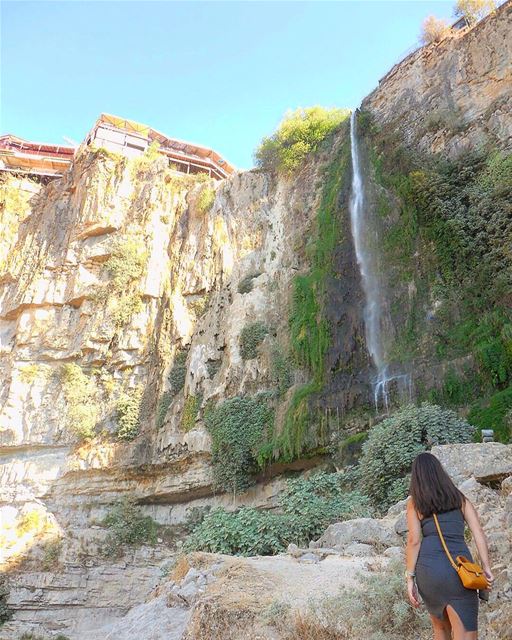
[(453, 609)]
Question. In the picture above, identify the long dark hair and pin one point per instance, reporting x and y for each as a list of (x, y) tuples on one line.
[(431, 488)]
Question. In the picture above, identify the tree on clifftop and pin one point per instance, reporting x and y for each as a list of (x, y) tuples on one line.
[(474, 10), (434, 30)]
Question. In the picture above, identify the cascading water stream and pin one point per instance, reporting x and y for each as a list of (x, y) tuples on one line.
[(366, 259)]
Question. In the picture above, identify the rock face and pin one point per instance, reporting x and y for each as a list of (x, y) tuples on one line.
[(452, 96), (109, 273), (489, 462)]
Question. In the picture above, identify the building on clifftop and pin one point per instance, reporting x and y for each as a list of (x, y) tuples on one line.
[(115, 134)]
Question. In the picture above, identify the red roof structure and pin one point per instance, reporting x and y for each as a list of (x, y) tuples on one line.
[(35, 158), (116, 134)]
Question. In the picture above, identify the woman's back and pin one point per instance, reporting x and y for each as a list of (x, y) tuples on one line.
[(452, 526)]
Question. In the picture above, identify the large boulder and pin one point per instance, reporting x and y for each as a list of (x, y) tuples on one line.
[(486, 462), (363, 530)]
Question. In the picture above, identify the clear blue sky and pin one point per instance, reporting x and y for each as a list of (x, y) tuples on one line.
[(221, 74)]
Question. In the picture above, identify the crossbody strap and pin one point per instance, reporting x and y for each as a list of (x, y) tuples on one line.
[(444, 543)]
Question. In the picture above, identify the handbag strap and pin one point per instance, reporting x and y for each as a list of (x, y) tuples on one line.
[(444, 543)]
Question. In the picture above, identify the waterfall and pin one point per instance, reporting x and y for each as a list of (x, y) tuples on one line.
[(364, 237)]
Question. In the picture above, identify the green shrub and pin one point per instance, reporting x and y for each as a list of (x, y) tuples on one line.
[(190, 411), (51, 553), (128, 414), (448, 242), (200, 305), (377, 609), (31, 372), (394, 443), (6, 612), (305, 509), (206, 198), (238, 427), (127, 262), (300, 133), (178, 372), (32, 521), (163, 407), (494, 413), (251, 336), (145, 162), (127, 526), (80, 393), (281, 370), (126, 306)]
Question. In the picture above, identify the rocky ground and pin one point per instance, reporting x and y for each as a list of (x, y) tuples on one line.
[(213, 596)]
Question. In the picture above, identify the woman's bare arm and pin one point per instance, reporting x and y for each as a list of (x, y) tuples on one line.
[(471, 518), (412, 549)]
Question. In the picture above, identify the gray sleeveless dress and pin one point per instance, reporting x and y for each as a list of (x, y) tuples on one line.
[(438, 583)]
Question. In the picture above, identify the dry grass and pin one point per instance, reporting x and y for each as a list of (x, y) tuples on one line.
[(180, 569), (304, 628), (212, 621)]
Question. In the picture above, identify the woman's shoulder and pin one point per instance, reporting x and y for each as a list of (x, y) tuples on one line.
[(411, 507)]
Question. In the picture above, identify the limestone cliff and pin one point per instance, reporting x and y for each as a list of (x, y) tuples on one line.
[(453, 96)]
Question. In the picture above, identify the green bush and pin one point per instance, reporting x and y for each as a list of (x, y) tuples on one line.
[(127, 262), (128, 414), (125, 307), (163, 406), (281, 370), (238, 427), (51, 553), (494, 413), (300, 133), (206, 198), (377, 609), (190, 411), (305, 509), (127, 526), (394, 443), (178, 372), (251, 336), (351, 447), (80, 393)]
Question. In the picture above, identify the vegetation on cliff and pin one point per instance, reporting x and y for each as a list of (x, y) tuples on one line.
[(310, 333), (449, 267), (238, 427), (299, 134)]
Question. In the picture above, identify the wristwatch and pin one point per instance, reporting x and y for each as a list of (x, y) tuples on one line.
[(410, 574)]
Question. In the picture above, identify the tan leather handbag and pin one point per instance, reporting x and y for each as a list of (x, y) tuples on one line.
[(471, 574)]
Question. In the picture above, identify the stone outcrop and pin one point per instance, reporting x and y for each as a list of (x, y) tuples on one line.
[(487, 463), (453, 96)]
